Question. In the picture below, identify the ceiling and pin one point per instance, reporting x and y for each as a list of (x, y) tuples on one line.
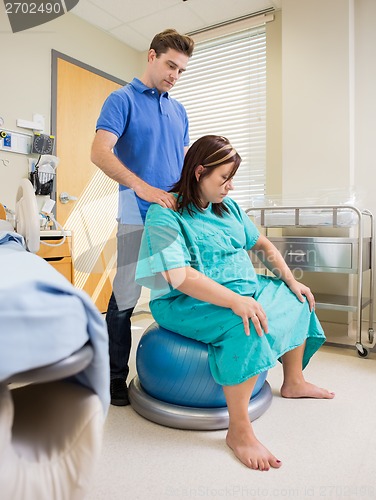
[(135, 22)]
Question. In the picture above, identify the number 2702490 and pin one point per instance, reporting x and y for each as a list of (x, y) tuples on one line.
[(33, 8)]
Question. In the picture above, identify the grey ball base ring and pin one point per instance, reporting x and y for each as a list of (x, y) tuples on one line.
[(185, 417)]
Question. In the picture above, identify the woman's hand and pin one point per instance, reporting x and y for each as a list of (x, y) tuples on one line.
[(302, 291), (249, 309)]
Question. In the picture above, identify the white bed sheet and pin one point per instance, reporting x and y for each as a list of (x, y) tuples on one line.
[(44, 318)]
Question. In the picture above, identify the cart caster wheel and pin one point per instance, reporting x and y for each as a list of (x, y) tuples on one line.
[(362, 351), (371, 335)]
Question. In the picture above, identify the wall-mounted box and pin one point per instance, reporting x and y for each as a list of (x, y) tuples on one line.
[(15, 142)]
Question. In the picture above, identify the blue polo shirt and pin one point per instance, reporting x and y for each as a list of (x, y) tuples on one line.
[(152, 131)]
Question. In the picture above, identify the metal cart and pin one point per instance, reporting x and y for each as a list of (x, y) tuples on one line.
[(331, 254)]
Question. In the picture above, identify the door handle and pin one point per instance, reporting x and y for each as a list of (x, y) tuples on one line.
[(65, 198)]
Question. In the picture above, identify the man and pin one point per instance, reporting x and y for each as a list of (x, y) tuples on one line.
[(141, 139)]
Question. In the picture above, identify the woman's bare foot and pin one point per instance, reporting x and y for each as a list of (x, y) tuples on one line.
[(304, 389), (250, 451)]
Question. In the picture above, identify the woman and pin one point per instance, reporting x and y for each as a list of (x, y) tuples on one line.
[(204, 286)]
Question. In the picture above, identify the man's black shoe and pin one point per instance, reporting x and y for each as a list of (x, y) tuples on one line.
[(119, 392)]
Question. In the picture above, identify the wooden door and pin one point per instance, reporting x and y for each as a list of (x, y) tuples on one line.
[(80, 93)]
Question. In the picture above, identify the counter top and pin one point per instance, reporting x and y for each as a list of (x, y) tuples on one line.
[(53, 233)]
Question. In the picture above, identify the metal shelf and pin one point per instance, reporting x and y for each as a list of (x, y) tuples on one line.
[(339, 302)]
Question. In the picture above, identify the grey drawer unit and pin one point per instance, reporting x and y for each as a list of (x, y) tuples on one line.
[(316, 254)]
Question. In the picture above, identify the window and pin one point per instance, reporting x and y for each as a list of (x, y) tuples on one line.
[(224, 93)]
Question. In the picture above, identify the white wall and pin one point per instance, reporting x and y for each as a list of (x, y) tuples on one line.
[(274, 105), (316, 95), (328, 98), (25, 76), (365, 101)]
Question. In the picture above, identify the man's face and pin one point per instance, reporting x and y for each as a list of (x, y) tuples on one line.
[(165, 70)]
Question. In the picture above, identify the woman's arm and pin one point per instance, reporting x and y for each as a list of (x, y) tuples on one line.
[(273, 260), (195, 284)]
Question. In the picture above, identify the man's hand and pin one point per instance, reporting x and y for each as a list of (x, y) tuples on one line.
[(155, 195)]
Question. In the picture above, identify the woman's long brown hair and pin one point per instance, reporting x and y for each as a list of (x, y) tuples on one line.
[(210, 151)]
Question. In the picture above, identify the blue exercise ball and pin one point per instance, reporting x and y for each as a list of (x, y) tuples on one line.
[(175, 369)]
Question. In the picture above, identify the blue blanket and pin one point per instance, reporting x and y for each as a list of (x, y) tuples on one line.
[(44, 319)]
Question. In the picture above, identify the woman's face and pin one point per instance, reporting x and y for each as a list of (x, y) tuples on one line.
[(215, 186)]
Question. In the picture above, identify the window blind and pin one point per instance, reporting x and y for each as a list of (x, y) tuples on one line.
[(224, 93)]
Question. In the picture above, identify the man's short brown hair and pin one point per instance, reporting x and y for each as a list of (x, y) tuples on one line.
[(171, 39)]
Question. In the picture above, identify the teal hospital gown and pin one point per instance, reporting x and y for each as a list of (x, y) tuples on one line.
[(218, 247)]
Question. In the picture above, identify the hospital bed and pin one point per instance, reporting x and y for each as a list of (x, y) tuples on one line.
[(54, 375), (336, 239)]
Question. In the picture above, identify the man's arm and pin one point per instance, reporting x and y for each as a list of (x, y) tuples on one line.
[(103, 157)]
